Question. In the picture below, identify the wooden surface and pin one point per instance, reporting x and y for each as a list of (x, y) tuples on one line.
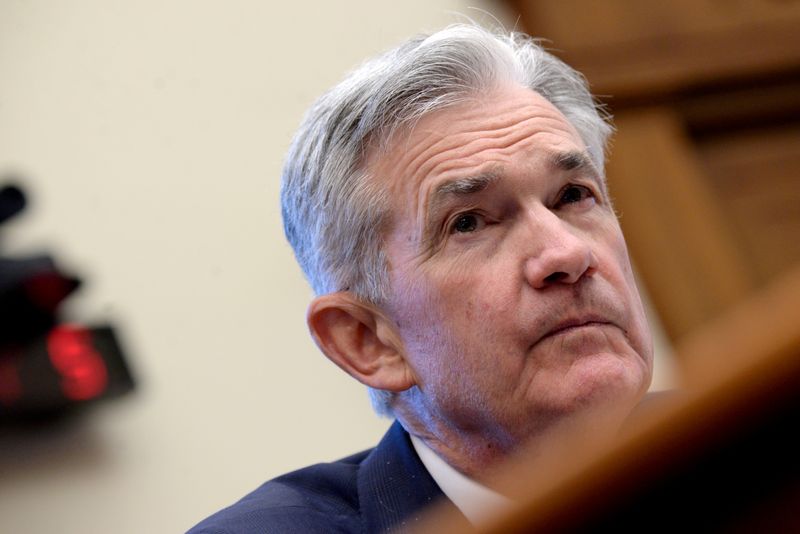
[(630, 49), (673, 222), (756, 175)]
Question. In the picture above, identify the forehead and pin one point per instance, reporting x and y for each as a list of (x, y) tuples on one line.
[(506, 131)]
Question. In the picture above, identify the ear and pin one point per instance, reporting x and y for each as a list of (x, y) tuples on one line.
[(360, 339)]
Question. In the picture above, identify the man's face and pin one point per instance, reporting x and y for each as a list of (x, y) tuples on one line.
[(511, 287)]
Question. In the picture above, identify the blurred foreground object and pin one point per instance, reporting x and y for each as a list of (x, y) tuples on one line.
[(46, 367), (720, 456)]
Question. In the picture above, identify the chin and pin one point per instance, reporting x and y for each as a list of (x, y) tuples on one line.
[(610, 380), (606, 381)]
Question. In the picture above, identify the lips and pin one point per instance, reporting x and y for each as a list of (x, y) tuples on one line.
[(572, 323)]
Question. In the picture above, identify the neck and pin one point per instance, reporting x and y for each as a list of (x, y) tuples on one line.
[(480, 452)]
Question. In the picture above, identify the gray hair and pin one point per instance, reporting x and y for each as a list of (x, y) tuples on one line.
[(333, 213)]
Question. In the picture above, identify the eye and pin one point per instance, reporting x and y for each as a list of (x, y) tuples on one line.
[(573, 194), (465, 223)]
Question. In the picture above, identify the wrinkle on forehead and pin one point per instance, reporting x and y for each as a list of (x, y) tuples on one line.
[(431, 147)]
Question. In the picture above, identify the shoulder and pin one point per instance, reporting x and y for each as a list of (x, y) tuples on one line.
[(319, 498)]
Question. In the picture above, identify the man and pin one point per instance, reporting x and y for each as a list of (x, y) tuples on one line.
[(447, 203)]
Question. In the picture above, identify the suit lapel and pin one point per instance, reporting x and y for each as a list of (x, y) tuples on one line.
[(393, 485)]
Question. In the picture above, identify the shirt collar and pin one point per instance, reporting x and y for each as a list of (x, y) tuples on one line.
[(478, 503)]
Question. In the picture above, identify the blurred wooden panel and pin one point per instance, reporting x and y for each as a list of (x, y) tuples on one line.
[(672, 221), (756, 177), (628, 48), (759, 103)]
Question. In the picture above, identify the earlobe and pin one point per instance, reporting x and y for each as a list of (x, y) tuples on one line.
[(358, 338)]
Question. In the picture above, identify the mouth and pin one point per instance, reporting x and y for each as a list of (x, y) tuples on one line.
[(573, 324)]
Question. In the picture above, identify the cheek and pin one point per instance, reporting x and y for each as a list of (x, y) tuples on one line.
[(478, 304), (617, 256), (419, 310), (451, 320), (639, 329)]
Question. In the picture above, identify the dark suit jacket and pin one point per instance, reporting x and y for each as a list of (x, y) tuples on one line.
[(369, 492)]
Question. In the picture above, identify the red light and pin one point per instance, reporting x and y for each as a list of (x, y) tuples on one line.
[(83, 372), (10, 384)]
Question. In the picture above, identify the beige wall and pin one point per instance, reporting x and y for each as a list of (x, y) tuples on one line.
[(151, 135)]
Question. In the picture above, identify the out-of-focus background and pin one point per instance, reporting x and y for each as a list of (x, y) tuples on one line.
[(149, 136)]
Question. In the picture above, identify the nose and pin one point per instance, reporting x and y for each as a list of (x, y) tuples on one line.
[(560, 255)]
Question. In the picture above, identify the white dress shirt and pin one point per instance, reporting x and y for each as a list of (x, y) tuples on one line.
[(477, 502)]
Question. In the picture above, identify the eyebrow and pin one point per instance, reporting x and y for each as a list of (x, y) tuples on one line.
[(573, 160), (460, 188), (463, 187)]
